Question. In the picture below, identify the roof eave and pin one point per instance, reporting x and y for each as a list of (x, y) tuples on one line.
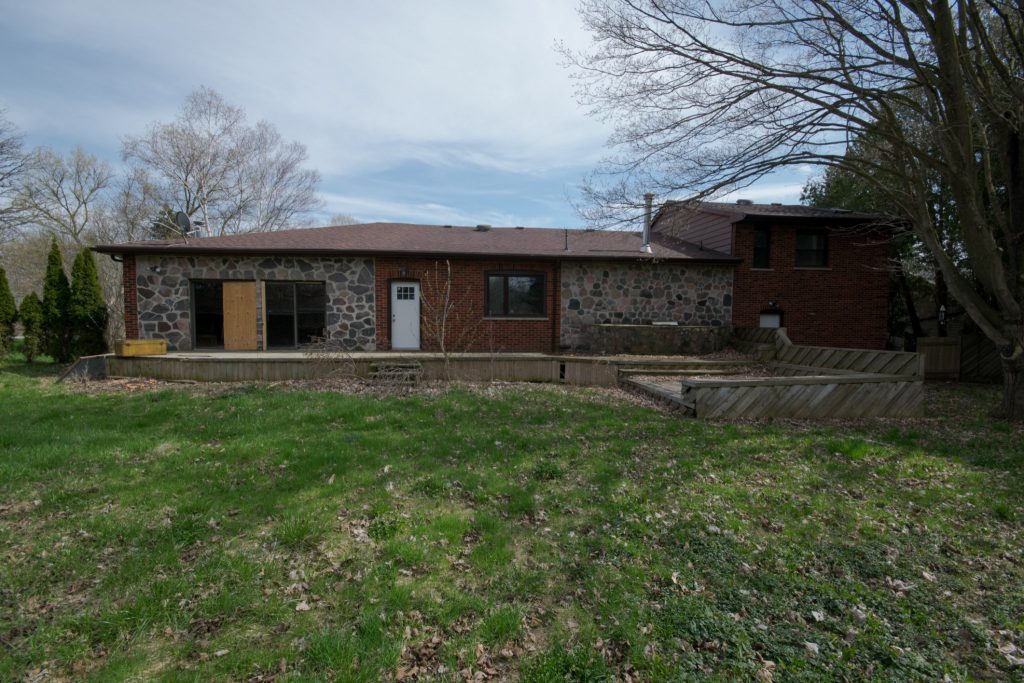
[(185, 250)]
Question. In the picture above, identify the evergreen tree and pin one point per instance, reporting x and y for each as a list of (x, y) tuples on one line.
[(32, 321), (8, 314), (56, 330), (88, 311)]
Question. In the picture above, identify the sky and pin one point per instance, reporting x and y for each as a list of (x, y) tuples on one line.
[(444, 112)]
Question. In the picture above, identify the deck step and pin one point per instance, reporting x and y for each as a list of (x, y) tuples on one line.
[(405, 373), (673, 400)]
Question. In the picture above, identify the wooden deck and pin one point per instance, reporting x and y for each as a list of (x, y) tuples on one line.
[(290, 365), (809, 383)]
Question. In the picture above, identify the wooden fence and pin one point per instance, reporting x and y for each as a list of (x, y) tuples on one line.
[(971, 358), (941, 357), (980, 360)]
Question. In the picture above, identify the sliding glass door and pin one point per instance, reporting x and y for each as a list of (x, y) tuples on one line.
[(295, 313), (208, 305)]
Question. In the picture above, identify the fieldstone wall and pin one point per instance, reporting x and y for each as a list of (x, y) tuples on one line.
[(165, 307), (639, 294), (659, 339)]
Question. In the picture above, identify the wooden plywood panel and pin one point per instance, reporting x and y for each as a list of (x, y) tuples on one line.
[(239, 316), (840, 397), (856, 360), (980, 360), (941, 357)]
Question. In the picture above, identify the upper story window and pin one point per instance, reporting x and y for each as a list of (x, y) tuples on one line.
[(515, 295), (762, 245), (811, 249)]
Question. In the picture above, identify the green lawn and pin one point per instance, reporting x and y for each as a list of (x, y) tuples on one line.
[(501, 532)]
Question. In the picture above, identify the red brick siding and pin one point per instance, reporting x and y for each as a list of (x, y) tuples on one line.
[(131, 297), (845, 305), (470, 325)]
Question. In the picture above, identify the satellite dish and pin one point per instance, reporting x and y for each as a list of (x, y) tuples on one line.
[(183, 222)]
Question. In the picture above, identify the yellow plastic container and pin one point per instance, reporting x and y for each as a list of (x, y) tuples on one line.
[(141, 347)]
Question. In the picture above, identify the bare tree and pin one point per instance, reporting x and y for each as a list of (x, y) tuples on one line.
[(443, 318), (132, 205), (24, 259), (12, 166), (713, 95), (64, 195), (342, 219), (219, 170)]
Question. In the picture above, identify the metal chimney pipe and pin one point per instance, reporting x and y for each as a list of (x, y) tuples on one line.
[(648, 208)]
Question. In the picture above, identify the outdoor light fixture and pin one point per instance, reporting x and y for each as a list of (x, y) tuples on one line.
[(155, 269), (771, 303)]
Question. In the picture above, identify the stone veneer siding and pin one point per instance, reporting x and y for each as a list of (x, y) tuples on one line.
[(164, 306), (641, 293)]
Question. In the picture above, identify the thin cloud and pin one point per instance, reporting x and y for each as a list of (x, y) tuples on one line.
[(371, 210), (445, 112)]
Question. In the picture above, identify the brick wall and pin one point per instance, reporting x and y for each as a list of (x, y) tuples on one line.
[(844, 304), (131, 297), (470, 329)]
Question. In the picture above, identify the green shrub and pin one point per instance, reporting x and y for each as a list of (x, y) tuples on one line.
[(87, 311), (56, 329)]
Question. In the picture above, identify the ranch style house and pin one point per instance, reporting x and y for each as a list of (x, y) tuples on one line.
[(821, 273)]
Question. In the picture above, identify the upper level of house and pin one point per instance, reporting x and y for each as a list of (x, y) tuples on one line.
[(723, 227), (821, 273)]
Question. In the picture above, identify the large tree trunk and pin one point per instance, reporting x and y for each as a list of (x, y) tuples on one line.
[(1012, 405)]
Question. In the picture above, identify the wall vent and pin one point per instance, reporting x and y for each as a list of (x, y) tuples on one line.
[(483, 227)]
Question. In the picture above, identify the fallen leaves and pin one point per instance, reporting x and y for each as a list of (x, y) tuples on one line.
[(422, 660), (898, 586)]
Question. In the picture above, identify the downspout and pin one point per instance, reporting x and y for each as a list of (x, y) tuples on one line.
[(648, 208)]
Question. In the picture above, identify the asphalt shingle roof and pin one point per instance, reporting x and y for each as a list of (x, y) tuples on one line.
[(404, 239), (771, 211)]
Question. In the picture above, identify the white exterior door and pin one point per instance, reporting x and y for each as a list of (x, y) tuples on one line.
[(405, 316)]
